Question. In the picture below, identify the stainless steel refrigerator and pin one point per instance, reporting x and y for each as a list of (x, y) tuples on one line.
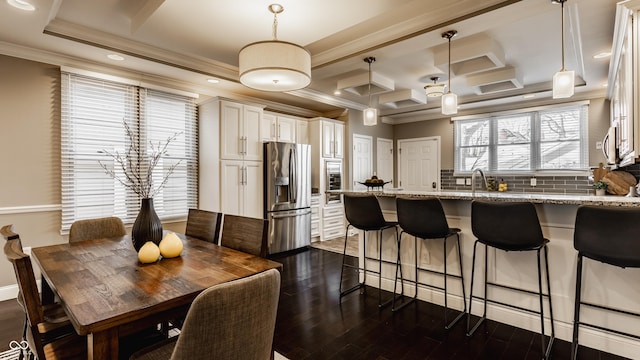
[(287, 195)]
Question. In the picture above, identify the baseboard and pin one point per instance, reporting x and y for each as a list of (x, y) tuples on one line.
[(11, 291)]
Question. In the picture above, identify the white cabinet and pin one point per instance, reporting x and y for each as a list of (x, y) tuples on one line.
[(315, 216), (332, 140), (241, 188), (278, 128), (240, 131), (302, 132), (332, 222)]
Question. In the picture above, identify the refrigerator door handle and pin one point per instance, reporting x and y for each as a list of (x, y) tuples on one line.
[(273, 216), (293, 176)]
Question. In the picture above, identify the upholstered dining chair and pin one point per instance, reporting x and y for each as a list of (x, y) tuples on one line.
[(90, 229), (245, 234), (233, 320), (204, 225), (48, 331)]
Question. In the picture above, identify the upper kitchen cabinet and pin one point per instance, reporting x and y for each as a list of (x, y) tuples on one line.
[(623, 83), (240, 131), (278, 128), (329, 134), (302, 131)]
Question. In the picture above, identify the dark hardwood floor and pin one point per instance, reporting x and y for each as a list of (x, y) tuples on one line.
[(314, 324)]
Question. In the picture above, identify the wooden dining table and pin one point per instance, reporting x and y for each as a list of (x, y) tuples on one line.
[(108, 294)]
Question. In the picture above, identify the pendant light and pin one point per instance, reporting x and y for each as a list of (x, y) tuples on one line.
[(563, 80), (435, 89), (274, 65), (449, 100), (370, 114)]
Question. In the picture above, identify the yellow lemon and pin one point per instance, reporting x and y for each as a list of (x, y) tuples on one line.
[(171, 246), (148, 253)]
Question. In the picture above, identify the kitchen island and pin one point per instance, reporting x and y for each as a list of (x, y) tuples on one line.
[(602, 284)]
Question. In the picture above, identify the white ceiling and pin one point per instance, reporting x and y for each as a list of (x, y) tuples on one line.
[(181, 43)]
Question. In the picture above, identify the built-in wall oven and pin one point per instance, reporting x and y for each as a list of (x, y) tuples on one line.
[(334, 180)]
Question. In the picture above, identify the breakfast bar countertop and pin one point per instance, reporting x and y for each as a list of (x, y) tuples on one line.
[(538, 198)]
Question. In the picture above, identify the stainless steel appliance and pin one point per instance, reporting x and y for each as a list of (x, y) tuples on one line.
[(334, 180), (287, 195)]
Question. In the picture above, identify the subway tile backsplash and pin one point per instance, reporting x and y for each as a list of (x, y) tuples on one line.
[(544, 184)]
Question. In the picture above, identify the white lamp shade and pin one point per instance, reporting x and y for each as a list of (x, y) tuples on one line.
[(563, 84), (274, 66), (370, 116), (449, 104)]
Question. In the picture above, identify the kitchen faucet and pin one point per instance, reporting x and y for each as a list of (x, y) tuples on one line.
[(473, 180)]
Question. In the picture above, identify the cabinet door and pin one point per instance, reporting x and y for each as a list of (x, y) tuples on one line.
[(231, 186), (302, 132), (268, 127), (286, 129), (252, 200), (231, 136), (251, 131), (338, 141), (327, 139)]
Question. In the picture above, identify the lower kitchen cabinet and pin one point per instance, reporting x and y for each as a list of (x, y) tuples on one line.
[(332, 221), (315, 216)]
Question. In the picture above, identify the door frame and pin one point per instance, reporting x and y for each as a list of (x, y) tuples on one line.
[(353, 152), (438, 162)]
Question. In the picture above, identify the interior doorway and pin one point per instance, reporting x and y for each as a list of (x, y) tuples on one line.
[(384, 160), (419, 164), (362, 160)]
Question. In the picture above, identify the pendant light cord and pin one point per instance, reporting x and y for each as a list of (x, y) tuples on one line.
[(369, 84), (562, 22), (275, 26), (449, 76)]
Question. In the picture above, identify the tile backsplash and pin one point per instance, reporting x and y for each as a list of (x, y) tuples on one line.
[(544, 184)]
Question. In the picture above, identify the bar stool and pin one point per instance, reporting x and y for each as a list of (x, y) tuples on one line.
[(510, 226), (608, 235), (364, 213), (425, 219)]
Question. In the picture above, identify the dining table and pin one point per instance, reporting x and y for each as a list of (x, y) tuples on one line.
[(108, 294)]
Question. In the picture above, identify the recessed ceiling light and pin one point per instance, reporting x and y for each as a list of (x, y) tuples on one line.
[(213, 81), (528, 96), (21, 4), (115, 57), (602, 55)]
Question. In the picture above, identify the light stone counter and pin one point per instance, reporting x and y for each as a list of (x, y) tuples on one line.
[(602, 284)]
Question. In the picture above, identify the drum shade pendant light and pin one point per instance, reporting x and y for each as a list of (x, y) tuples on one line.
[(563, 80), (275, 65), (449, 100), (370, 114), (435, 89)]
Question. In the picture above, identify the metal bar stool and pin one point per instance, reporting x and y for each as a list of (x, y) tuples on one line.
[(510, 226), (364, 213), (425, 219), (608, 235)]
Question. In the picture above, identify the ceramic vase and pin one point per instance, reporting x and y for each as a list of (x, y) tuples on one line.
[(147, 226)]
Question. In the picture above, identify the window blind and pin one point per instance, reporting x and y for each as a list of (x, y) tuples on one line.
[(93, 113)]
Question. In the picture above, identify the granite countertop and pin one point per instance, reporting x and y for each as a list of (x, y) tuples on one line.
[(561, 199)]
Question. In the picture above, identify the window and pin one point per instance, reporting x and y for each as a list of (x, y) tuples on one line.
[(549, 139), (93, 112)]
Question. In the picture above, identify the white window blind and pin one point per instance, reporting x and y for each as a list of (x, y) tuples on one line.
[(550, 139), (93, 112)]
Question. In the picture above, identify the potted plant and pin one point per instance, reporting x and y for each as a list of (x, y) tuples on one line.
[(601, 187)]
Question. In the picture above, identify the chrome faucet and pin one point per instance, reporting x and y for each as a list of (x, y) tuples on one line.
[(473, 180)]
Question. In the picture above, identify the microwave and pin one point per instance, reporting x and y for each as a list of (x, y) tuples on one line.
[(333, 180)]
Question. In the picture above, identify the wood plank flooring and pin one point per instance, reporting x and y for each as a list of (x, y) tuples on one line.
[(314, 324)]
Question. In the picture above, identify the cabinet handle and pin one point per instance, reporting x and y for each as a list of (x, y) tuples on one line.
[(245, 145), (279, 132)]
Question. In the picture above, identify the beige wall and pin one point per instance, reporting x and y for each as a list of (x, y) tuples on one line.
[(598, 125)]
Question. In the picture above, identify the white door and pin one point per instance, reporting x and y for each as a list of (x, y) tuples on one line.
[(362, 160), (384, 169), (419, 161)]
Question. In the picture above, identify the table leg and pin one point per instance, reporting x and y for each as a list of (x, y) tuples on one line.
[(47, 294), (103, 345)]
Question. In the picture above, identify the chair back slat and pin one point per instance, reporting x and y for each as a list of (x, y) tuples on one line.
[(245, 234), (204, 225)]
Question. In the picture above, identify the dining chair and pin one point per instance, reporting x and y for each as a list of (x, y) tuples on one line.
[(245, 234), (232, 320), (204, 225), (90, 229), (48, 331)]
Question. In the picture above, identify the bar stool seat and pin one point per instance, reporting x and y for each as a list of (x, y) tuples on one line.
[(363, 212), (425, 219), (510, 226), (608, 235)]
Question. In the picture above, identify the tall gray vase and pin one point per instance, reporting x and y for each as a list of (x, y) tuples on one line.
[(147, 226)]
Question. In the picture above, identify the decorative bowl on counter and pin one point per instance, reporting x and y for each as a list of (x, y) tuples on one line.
[(372, 185)]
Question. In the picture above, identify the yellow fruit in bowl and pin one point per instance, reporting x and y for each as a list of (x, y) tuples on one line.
[(148, 253), (171, 246)]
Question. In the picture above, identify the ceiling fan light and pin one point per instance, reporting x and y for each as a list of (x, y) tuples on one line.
[(449, 104), (563, 84)]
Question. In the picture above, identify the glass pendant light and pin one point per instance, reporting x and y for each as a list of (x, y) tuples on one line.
[(563, 80), (449, 100), (370, 114)]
